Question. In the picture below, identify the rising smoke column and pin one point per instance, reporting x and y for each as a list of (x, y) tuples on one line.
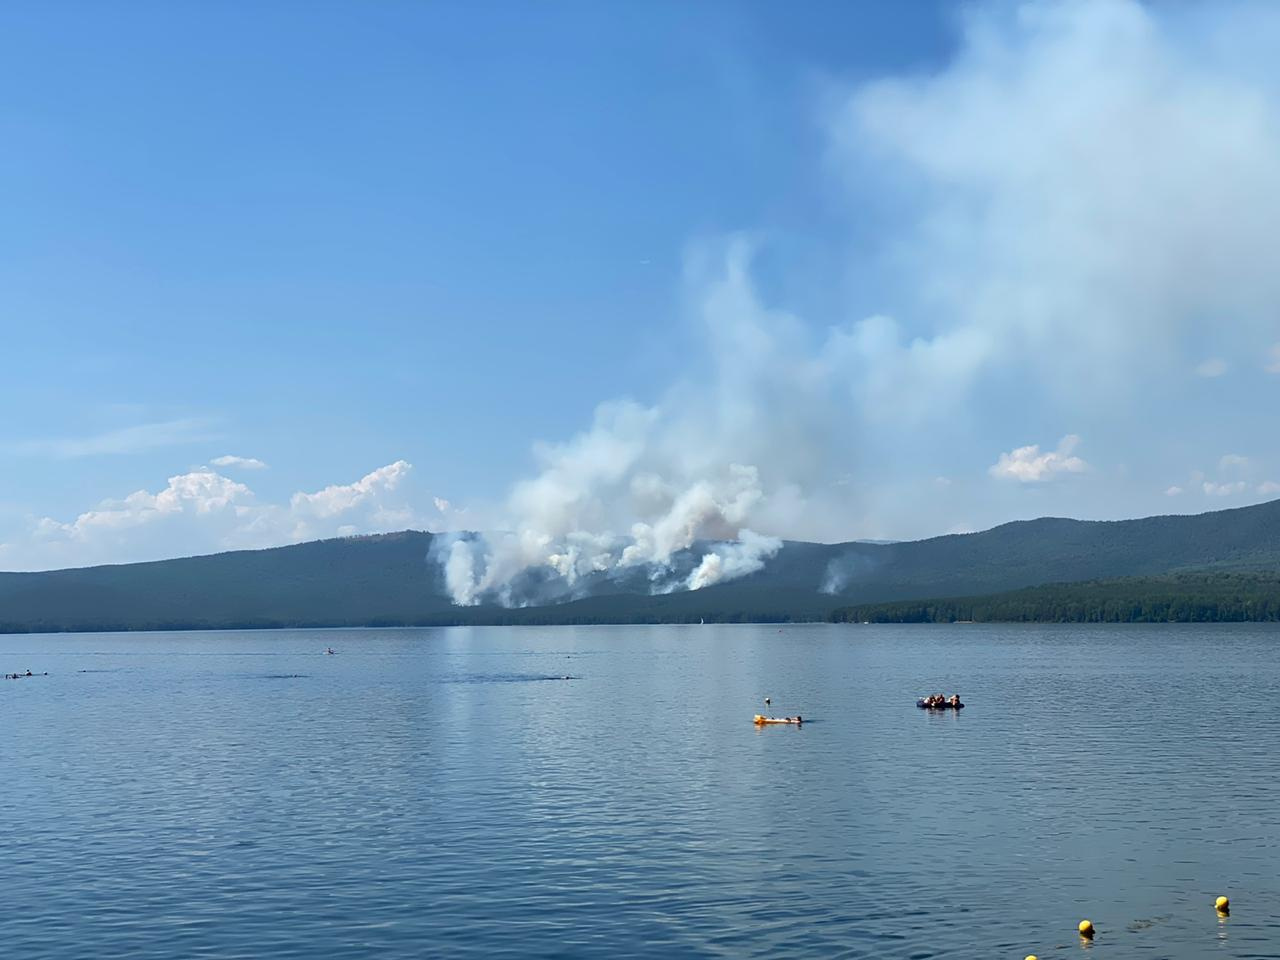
[(712, 463)]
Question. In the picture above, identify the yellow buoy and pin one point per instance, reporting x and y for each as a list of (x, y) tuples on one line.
[(1032, 956), (1222, 904), (1085, 928)]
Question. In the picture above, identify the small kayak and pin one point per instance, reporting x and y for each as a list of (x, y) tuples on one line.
[(945, 706), (761, 720)]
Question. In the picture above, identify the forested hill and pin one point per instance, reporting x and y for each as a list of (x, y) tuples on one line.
[(1174, 598), (390, 580)]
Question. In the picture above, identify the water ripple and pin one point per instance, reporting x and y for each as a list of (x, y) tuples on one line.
[(395, 801)]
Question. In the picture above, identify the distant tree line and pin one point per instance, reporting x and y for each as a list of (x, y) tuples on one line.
[(1174, 598)]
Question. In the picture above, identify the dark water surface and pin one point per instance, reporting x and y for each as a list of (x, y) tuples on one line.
[(442, 793)]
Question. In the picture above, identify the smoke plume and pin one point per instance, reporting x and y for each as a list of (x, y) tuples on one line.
[(1074, 208), (679, 495)]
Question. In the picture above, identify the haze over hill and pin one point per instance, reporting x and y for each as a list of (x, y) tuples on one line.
[(392, 579)]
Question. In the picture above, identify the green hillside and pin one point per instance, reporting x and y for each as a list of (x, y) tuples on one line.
[(1174, 598), (390, 580)]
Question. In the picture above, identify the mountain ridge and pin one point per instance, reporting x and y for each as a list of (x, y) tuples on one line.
[(389, 579)]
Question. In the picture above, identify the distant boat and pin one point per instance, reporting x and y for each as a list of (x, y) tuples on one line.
[(329, 651)]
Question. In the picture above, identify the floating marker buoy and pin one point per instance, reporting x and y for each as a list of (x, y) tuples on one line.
[(1032, 956), (1086, 929), (1222, 905)]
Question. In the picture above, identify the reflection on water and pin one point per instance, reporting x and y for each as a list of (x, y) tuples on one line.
[(448, 793)]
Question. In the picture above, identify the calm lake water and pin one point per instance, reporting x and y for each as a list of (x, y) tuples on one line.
[(444, 793)]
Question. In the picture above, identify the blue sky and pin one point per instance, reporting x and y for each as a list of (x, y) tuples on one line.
[(339, 237)]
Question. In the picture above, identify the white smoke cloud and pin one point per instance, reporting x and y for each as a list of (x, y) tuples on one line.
[(728, 561), (712, 462), (1088, 184)]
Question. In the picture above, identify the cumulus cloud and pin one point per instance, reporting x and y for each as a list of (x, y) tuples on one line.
[(1236, 476), (203, 511), (243, 463), (1029, 465), (1173, 491), (339, 498), (1229, 488)]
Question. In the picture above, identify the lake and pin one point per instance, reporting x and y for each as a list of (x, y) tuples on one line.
[(444, 792)]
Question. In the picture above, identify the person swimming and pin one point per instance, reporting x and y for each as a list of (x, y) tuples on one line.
[(937, 701)]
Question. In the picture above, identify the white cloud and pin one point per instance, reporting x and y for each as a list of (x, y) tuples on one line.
[(1272, 364), (1236, 476), (203, 512), (135, 439), (201, 492), (1213, 367), (1174, 491), (1029, 465), (243, 463), (1230, 488), (339, 498), (1232, 463), (372, 497)]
